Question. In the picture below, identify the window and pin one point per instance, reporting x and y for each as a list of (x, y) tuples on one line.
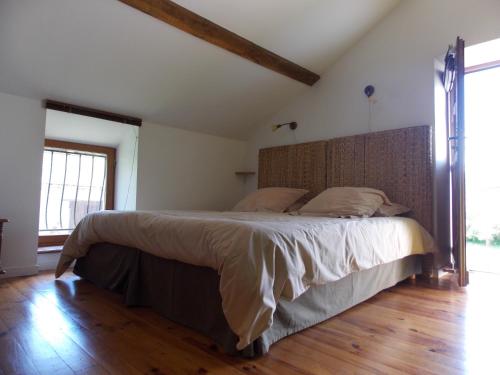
[(77, 179)]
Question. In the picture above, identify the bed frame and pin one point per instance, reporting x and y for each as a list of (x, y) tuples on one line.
[(396, 161), (189, 295)]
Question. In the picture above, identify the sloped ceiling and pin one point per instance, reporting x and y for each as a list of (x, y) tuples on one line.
[(107, 55)]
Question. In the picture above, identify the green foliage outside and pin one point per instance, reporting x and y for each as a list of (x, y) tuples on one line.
[(474, 236)]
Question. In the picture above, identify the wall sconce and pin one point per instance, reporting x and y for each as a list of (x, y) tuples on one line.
[(369, 91), (292, 125)]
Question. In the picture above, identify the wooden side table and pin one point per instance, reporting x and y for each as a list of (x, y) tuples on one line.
[(2, 221)]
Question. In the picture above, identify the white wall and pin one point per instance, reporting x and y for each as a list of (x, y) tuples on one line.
[(75, 128), (21, 143), (397, 57), (180, 169)]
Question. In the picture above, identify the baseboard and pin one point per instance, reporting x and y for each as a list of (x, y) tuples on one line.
[(19, 271)]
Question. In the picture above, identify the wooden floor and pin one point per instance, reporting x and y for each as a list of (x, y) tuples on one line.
[(69, 326)]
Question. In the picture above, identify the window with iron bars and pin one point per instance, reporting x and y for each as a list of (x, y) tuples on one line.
[(77, 179)]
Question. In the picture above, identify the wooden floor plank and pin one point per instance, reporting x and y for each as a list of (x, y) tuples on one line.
[(72, 327), (13, 358), (112, 324), (43, 356), (104, 352)]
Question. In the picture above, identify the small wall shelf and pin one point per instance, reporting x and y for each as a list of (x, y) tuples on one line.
[(244, 173)]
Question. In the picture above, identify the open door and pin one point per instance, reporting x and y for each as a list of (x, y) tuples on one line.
[(454, 85)]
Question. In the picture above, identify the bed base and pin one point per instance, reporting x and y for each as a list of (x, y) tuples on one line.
[(189, 295)]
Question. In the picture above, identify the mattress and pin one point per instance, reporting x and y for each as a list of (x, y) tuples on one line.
[(190, 295), (261, 258)]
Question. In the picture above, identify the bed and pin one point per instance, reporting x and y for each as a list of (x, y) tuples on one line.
[(250, 279)]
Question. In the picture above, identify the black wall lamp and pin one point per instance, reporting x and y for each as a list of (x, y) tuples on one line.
[(369, 91), (292, 125)]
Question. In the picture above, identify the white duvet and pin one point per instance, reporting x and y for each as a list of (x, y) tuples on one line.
[(260, 257)]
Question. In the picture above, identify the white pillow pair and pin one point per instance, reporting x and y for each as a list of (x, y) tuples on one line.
[(333, 202)]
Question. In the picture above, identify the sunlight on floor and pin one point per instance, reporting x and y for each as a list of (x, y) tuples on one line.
[(482, 327), (483, 258)]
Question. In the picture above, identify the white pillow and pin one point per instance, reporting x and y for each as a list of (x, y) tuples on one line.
[(346, 202), (273, 199)]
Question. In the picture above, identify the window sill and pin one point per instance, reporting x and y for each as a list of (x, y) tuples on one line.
[(49, 249), (52, 240)]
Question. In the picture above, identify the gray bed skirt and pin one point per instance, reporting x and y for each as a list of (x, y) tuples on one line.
[(189, 295)]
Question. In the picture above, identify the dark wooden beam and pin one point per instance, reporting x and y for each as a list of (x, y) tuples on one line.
[(97, 113), (190, 22)]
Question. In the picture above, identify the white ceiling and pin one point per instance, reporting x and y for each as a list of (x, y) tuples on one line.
[(104, 54)]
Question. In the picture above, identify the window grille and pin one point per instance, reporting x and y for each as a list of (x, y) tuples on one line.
[(73, 185)]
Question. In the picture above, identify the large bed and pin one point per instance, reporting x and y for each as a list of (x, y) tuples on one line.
[(250, 279)]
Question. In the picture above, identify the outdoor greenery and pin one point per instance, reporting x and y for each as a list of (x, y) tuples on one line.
[(492, 239), (495, 238)]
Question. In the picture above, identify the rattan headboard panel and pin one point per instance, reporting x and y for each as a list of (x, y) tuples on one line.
[(346, 161), (300, 166), (399, 162)]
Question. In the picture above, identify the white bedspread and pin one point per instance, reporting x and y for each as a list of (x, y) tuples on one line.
[(260, 257)]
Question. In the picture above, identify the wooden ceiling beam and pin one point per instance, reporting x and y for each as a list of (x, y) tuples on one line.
[(190, 22), (91, 112)]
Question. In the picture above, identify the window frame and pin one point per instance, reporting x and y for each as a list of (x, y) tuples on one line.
[(110, 152), (485, 66)]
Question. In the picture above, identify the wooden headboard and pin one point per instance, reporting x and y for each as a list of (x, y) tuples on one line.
[(399, 162)]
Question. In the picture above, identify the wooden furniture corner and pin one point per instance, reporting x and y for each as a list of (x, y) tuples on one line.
[(2, 222)]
